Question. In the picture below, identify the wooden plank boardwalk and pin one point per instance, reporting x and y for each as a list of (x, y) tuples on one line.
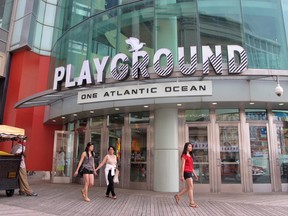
[(66, 199)]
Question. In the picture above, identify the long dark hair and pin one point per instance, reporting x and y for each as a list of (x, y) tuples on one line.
[(87, 147), (185, 148), (112, 148)]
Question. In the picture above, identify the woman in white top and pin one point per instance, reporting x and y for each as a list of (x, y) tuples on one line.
[(110, 169)]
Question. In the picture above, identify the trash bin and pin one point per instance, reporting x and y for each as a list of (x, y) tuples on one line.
[(9, 173), (9, 163)]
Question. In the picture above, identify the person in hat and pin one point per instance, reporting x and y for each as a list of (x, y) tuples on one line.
[(24, 187)]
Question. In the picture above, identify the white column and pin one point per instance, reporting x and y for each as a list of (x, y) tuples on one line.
[(166, 155)]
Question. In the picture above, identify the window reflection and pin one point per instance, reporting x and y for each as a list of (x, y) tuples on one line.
[(138, 155), (198, 138), (282, 143), (229, 154), (96, 140), (260, 154)]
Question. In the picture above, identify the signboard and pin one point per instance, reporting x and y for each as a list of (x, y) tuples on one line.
[(175, 89)]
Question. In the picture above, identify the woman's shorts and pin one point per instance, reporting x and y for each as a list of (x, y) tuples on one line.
[(187, 175), (86, 171)]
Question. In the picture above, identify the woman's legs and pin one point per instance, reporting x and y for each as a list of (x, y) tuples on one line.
[(85, 188), (110, 187), (189, 189), (189, 183)]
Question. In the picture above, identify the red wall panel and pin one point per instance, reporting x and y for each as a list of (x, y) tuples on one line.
[(28, 75)]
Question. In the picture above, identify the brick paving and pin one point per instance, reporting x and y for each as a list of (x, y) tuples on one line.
[(66, 199)]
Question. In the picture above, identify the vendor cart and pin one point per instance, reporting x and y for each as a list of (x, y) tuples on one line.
[(9, 163)]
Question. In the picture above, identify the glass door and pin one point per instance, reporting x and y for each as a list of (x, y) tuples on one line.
[(229, 155), (115, 140), (198, 136), (260, 158), (138, 169), (62, 157), (282, 146)]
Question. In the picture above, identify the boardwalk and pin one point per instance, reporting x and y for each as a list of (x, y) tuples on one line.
[(66, 199)]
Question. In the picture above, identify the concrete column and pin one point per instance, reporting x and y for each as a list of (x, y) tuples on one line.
[(166, 156)]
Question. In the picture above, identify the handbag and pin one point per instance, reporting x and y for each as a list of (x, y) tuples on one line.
[(116, 177), (80, 172)]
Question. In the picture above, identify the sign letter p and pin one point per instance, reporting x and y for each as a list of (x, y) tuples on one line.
[(58, 77)]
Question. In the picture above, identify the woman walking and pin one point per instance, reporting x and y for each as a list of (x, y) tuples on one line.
[(110, 170), (88, 166), (187, 169)]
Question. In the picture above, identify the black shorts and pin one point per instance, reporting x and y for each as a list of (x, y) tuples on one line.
[(187, 175), (86, 171)]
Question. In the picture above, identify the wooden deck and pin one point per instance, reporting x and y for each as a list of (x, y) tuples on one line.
[(66, 199)]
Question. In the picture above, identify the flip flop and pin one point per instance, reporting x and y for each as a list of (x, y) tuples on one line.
[(177, 199), (193, 205), (83, 194)]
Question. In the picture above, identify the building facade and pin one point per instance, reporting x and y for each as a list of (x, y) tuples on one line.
[(146, 77)]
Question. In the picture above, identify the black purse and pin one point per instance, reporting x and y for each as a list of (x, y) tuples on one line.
[(80, 172)]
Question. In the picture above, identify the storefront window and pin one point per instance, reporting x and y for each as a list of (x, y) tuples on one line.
[(115, 141), (138, 155), (227, 115), (197, 115), (282, 144), (96, 121), (199, 139), (259, 154), (96, 140), (256, 114), (139, 117), (115, 119), (280, 115), (71, 126), (82, 123), (80, 144), (229, 154)]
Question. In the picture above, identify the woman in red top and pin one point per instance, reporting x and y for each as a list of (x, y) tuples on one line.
[(187, 169)]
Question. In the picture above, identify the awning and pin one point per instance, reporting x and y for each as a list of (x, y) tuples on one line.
[(9, 132), (46, 98)]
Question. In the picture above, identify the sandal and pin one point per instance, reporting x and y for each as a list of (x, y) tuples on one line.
[(83, 193), (177, 199), (107, 196), (87, 199), (113, 197), (193, 205)]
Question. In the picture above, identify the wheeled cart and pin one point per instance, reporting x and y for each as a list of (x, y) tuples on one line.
[(9, 163)]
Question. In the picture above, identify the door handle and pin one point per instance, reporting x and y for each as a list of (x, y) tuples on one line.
[(277, 162), (218, 162), (249, 162)]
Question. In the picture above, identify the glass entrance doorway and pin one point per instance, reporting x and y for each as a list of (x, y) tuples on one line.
[(62, 157), (198, 136), (132, 153), (216, 157), (228, 158), (260, 158), (138, 156)]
